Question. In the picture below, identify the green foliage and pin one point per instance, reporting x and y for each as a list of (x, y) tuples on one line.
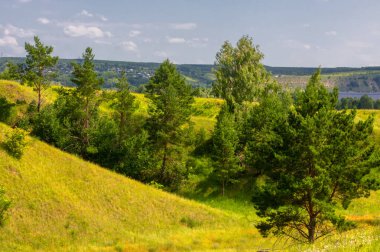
[(38, 66), (124, 105), (12, 72), (16, 143), (88, 82), (5, 109), (48, 127), (85, 76), (169, 112), (317, 158), (240, 75), (4, 206), (225, 140)]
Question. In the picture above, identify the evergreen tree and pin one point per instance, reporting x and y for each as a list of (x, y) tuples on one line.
[(88, 83), (225, 140), (317, 158), (123, 104), (38, 67), (170, 110)]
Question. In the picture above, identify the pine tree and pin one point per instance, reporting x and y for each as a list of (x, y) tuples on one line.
[(316, 158), (88, 82), (123, 104), (225, 140), (38, 67), (170, 109)]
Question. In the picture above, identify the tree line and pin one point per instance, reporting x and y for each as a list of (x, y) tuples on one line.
[(308, 156), (364, 102)]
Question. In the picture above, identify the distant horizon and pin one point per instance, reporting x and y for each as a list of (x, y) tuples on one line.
[(152, 62)]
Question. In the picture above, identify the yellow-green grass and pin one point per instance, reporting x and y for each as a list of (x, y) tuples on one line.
[(63, 203), (60, 202), (14, 92), (362, 114)]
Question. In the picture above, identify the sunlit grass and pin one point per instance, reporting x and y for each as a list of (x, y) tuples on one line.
[(62, 203)]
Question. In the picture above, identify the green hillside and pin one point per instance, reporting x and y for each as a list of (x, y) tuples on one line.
[(363, 79), (62, 202)]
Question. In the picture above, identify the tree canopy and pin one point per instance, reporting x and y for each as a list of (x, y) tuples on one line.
[(317, 159), (239, 73), (38, 66)]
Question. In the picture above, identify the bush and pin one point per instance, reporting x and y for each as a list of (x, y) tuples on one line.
[(16, 143), (5, 110), (4, 205)]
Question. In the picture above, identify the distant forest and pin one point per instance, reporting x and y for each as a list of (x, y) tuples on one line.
[(364, 79)]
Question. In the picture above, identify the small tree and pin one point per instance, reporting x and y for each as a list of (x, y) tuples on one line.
[(38, 67), (88, 82), (124, 106), (316, 159), (225, 140)]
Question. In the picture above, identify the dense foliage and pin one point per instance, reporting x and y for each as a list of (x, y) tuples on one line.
[(294, 152), (314, 161)]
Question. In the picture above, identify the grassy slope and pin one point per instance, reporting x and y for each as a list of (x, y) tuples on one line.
[(62, 202)]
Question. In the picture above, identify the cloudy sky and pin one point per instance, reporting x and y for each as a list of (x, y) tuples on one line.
[(289, 32)]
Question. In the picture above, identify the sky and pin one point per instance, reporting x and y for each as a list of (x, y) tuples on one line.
[(298, 33)]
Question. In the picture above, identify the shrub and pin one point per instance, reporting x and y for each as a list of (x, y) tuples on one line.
[(16, 143), (4, 205), (5, 109)]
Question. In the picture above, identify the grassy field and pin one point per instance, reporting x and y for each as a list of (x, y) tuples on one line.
[(62, 203)]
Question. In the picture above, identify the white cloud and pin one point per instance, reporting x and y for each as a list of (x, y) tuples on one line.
[(184, 26), (11, 30), (24, 1), (103, 18), (294, 44), (11, 42), (306, 25), (85, 31), (8, 41), (86, 13), (331, 33), (198, 42), (42, 20), (134, 33), (173, 40), (129, 46), (161, 54)]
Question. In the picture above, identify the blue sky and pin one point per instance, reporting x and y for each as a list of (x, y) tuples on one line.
[(289, 32)]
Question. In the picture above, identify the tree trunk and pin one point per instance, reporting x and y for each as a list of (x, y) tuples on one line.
[(311, 229), (86, 123), (122, 127), (39, 99), (163, 165), (223, 188)]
